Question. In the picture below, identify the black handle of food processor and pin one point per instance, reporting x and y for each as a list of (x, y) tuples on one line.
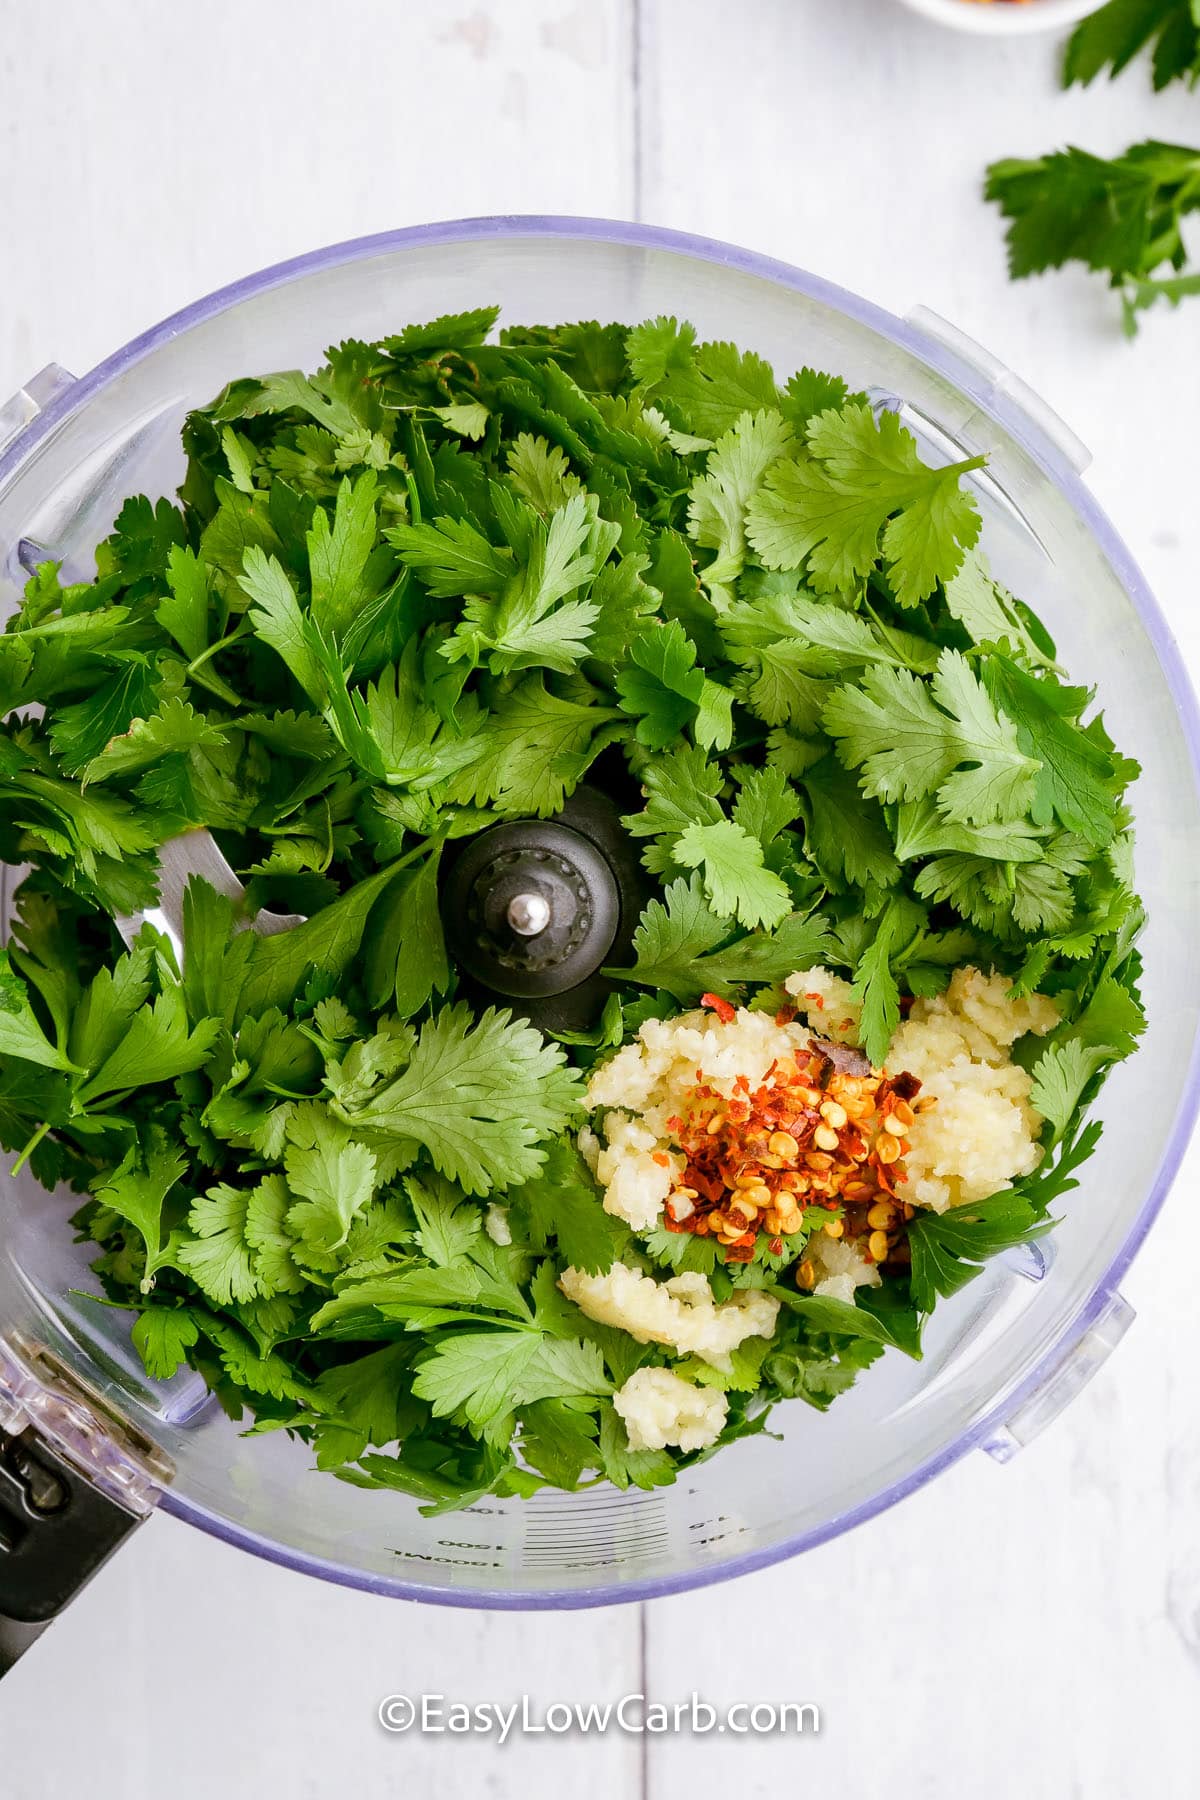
[(56, 1532)]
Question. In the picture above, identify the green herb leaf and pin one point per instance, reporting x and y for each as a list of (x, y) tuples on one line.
[(737, 883), (861, 496), (948, 1249), (479, 1094)]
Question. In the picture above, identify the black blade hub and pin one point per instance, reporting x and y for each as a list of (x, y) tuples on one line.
[(533, 908)]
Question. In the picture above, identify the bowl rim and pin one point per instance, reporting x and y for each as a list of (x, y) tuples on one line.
[(1006, 412), (1004, 21)]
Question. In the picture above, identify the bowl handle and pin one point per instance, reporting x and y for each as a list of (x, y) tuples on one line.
[(74, 1484), (1005, 390), (33, 398), (1067, 1377)]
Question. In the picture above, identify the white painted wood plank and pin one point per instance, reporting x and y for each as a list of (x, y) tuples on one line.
[(190, 1669), (1035, 1628), (150, 153)]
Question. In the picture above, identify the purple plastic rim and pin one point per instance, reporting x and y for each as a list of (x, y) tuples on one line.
[(1016, 422)]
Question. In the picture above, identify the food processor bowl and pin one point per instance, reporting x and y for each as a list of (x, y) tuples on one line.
[(1004, 1354)]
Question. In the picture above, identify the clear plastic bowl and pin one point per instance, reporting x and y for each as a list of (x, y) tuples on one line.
[(1003, 1355)]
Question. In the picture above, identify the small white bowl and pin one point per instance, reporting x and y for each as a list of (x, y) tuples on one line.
[(1001, 19)]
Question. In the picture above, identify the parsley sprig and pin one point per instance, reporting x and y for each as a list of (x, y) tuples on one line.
[(1123, 215)]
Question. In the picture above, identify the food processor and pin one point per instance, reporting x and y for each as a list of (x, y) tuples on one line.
[(90, 1446)]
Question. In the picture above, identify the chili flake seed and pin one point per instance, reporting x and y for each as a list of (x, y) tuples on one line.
[(808, 1136)]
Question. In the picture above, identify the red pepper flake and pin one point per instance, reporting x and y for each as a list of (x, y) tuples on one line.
[(726, 1013), (817, 1001), (662, 1159), (785, 1015), (725, 1134)]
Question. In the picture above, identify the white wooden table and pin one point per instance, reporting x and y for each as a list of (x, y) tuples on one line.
[(1031, 1629)]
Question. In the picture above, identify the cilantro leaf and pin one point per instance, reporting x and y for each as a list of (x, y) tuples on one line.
[(991, 615), (453, 558), (818, 1367), (998, 784), (157, 1046), (736, 881), (447, 1226), (681, 789), (877, 990), (271, 1240), (174, 727), (1075, 782), (1113, 1016), (811, 392), (766, 803), (218, 1256), (343, 565), (530, 622), (80, 731), (563, 1204), (162, 1336), (363, 1402), (1143, 292), (996, 895), (676, 948), (534, 748), (892, 728), (672, 936), (1061, 1075), (665, 691), (333, 1177), (712, 385), (275, 967), (862, 495), (718, 499), (627, 1468), (841, 1318), (541, 472), (406, 955), (460, 331), (558, 1439), (184, 610), (847, 834), (482, 1376), (658, 347), (479, 1094)]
